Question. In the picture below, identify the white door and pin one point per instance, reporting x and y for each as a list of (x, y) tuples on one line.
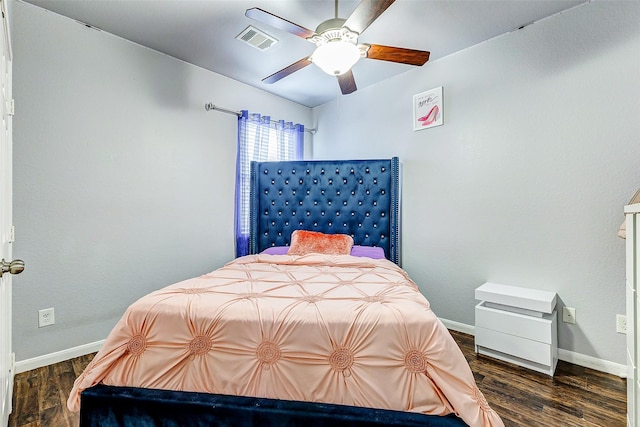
[(6, 221)]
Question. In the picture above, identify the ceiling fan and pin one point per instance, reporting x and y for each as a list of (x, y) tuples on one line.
[(336, 41)]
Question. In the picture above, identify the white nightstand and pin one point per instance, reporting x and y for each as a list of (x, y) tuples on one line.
[(517, 325)]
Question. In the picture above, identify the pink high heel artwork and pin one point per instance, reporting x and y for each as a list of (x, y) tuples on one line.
[(431, 116)]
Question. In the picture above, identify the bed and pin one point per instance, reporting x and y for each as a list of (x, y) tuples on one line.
[(290, 334)]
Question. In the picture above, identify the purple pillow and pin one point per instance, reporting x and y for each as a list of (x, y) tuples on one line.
[(361, 251), (276, 250), (368, 251)]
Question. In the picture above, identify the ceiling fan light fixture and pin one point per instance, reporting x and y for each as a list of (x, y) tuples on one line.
[(336, 57)]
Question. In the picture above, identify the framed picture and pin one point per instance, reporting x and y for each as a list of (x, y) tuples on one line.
[(427, 109)]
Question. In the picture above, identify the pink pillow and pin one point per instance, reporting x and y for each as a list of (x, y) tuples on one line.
[(304, 242)]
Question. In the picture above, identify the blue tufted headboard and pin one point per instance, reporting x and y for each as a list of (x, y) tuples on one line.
[(356, 197)]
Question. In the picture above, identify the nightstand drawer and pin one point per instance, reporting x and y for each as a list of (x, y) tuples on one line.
[(533, 328), (523, 348)]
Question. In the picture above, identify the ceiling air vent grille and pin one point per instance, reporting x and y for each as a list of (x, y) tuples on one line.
[(256, 38)]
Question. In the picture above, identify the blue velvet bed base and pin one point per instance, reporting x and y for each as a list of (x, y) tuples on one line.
[(108, 406)]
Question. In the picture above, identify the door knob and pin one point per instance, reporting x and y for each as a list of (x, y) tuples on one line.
[(14, 267)]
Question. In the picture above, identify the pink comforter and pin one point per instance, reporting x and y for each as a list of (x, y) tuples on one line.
[(336, 329)]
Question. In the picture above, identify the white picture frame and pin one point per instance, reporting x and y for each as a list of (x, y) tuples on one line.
[(428, 109)]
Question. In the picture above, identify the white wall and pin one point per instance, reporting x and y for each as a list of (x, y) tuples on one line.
[(526, 181), (122, 182)]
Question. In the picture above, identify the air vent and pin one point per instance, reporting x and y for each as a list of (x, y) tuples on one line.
[(256, 38)]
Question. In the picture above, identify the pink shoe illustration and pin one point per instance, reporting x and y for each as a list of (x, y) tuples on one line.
[(431, 116)]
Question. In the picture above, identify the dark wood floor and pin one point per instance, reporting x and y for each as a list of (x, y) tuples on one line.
[(575, 396)]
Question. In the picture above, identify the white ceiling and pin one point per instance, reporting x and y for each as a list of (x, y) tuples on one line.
[(202, 32)]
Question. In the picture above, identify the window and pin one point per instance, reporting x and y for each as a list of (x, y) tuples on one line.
[(260, 139)]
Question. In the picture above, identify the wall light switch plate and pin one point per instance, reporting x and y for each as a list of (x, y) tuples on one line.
[(569, 315)]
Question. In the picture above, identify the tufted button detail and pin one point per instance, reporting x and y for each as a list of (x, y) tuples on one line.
[(321, 171), (308, 171), (329, 202), (279, 171), (366, 170), (293, 171), (266, 171), (330, 182), (268, 353), (337, 171), (315, 224), (293, 213), (286, 181), (341, 359), (308, 192), (415, 361), (322, 213), (353, 193), (337, 213), (273, 181), (381, 213), (315, 181), (382, 192), (266, 192), (137, 345), (375, 180), (301, 181), (200, 345), (384, 169), (367, 214)]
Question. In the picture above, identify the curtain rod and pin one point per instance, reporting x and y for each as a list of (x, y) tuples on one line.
[(209, 106)]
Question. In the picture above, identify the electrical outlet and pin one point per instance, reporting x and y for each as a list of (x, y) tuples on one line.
[(46, 317), (569, 315), (621, 323)]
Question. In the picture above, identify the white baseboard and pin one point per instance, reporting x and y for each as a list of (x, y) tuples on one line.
[(58, 356), (564, 355)]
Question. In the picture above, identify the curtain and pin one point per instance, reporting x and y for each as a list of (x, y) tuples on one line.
[(260, 140)]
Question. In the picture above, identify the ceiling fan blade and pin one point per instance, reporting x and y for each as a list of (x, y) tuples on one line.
[(278, 22), (397, 54), (366, 12), (298, 65), (347, 83)]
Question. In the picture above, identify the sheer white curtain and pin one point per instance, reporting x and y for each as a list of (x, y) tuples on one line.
[(260, 140)]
